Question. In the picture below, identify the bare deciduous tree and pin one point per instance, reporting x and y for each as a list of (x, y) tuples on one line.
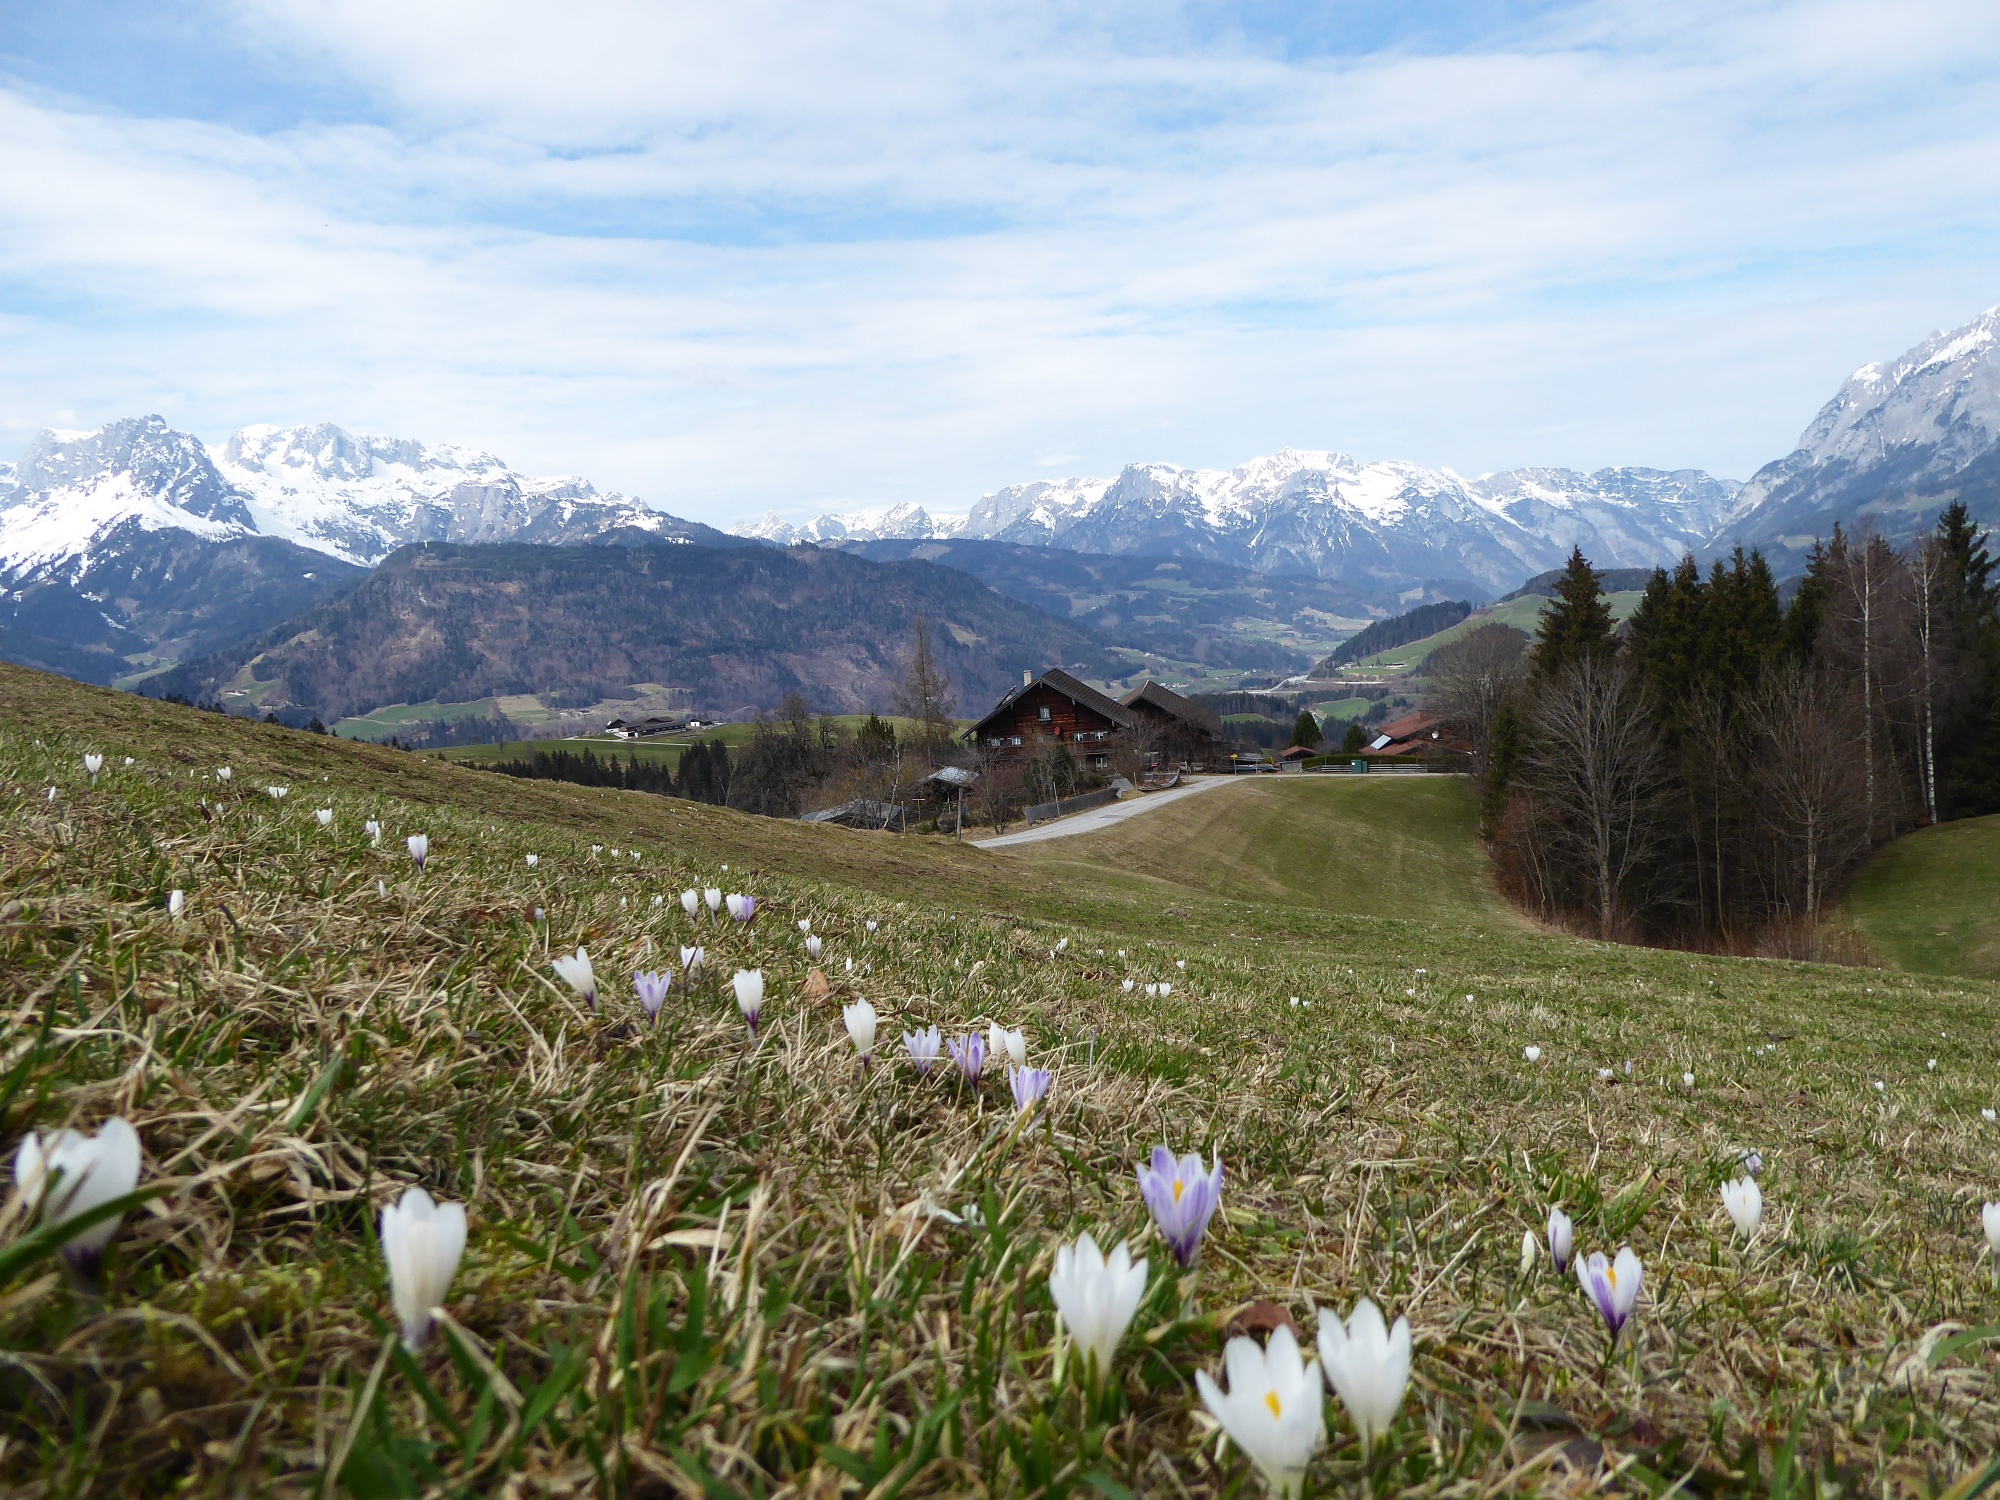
[(1595, 764), (1812, 782), (1472, 676)]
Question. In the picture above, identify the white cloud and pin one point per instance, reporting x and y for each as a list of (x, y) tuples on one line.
[(749, 255)]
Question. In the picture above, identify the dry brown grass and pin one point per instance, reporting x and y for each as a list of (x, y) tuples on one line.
[(698, 1266)]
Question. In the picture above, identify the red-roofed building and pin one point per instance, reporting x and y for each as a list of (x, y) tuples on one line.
[(1417, 734)]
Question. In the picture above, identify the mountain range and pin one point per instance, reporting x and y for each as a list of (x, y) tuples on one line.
[(1384, 528), (135, 546)]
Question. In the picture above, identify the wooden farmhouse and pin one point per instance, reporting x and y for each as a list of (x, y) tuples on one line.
[(1052, 707), (1179, 731)]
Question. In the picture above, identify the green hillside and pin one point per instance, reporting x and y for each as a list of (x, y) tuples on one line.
[(1930, 902), (703, 1264), (1523, 614), (1359, 846)]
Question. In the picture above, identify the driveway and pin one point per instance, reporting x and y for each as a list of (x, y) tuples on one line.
[(1108, 815)]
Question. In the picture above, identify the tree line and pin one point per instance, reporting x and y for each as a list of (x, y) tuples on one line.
[(704, 772), (1708, 774)]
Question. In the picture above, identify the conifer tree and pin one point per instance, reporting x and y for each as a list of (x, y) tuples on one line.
[(1577, 627), (1306, 731)]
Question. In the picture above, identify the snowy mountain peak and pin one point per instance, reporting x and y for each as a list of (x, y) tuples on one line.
[(1899, 436)]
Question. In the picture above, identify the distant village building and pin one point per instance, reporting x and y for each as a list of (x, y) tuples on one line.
[(638, 729), (1416, 735), (1052, 707)]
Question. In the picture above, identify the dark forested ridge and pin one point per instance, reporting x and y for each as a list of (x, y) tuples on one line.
[(742, 626), (1386, 635)]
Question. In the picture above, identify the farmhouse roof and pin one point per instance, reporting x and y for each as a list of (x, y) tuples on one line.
[(1150, 694), (1057, 680)]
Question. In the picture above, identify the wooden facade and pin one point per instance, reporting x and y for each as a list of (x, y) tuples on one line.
[(1054, 707)]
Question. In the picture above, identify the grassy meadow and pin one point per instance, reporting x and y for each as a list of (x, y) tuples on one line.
[(698, 1266), (1931, 901)]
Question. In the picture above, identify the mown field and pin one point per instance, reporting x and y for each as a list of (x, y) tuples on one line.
[(1931, 901), (702, 1266)]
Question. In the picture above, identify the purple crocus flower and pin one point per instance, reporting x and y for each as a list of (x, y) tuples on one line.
[(970, 1055), (1753, 1163), (1562, 1237), (923, 1047), (1030, 1085), (1183, 1196), (743, 908), (652, 990), (1613, 1285)]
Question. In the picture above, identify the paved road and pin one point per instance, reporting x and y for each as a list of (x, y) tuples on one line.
[(1111, 813)]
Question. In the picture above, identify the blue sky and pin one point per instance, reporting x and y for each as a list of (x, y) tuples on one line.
[(758, 255)]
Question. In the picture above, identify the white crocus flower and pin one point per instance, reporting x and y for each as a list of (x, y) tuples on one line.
[(1989, 1116), (175, 901), (1096, 1298), (68, 1173), (576, 969), (814, 947), (1745, 1203), (1272, 1410), (1688, 1079), (692, 959), (713, 896), (805, 924), (1014, 1043), (871, 924), (533, 860), (93, 764), (374, 831), (223, 773), (860, 1019), (278, 793), (1990, 1215), (422, 1241), (691, 901), (1128, 986), (420, 848), (324, 815), (1368, 1366), (1529, 1250), (1533, 1054), (129, 761)]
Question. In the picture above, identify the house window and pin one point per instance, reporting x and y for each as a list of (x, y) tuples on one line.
[(1042, 713)]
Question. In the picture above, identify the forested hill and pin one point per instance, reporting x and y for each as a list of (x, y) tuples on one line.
[(740, 626), (1385, 635)]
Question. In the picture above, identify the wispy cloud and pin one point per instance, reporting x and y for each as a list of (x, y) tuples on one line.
[(741, 256)]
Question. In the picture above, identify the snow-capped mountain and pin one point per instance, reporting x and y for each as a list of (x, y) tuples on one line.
[(351, 496), (136, 543), (889, 523), (1384, 526), (1899, 440)]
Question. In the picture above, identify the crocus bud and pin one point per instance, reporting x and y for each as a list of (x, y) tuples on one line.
[(67, 1173), (749, 986), (422, 1240), (576, 969), (860, 1019)]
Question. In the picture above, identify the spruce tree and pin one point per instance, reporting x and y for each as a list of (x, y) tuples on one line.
[(1577, 626), (1800, 636), (1306, 731)]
